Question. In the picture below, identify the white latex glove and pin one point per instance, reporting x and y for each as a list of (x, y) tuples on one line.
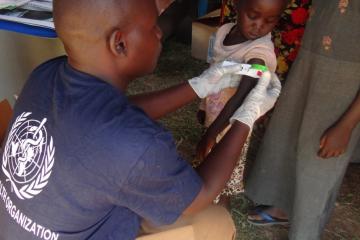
[(214, 79), (259, 101)]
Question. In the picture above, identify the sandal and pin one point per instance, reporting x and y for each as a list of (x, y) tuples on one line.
[(266, 219)]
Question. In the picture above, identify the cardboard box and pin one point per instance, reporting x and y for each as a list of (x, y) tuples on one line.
[(202, 29), (5, 118)]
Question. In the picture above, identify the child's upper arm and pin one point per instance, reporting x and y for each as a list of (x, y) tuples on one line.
[(264, 52), (256, 61)]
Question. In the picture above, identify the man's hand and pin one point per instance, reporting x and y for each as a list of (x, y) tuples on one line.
[(259, 101), (216, 78), (334, 141)]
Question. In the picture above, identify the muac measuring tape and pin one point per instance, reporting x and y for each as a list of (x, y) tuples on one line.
[(251, 70)]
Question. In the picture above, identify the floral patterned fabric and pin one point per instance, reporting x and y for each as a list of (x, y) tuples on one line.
[(287, 35)]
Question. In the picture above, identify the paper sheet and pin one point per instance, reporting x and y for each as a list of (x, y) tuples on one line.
[(12, 3)]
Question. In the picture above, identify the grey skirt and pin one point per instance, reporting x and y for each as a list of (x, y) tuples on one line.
[(323, 82)]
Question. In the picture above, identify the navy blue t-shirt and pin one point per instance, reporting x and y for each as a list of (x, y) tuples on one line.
[(81, 162)]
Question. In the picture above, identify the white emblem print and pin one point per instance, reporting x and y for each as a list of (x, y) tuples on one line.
[(28, 156)]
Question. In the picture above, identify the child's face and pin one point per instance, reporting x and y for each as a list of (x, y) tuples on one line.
[(256, 18), (144, 39)]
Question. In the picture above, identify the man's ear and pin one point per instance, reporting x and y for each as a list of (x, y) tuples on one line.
[(117, 43)]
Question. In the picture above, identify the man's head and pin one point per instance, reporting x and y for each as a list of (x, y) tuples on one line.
[(114, 36), (256, 18)]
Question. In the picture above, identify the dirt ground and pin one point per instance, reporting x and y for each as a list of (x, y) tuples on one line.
[(175, 66)]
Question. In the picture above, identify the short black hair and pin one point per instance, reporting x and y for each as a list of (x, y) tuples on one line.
[(238, 3)]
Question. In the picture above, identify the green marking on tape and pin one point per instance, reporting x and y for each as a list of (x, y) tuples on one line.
[(259, 67)]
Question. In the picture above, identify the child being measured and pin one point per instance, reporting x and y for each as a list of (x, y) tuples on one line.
[(247, 41)]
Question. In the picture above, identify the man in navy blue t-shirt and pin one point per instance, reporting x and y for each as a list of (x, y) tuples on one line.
[(83, 161)]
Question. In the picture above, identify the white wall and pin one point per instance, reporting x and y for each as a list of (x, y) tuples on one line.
[(19, 54)]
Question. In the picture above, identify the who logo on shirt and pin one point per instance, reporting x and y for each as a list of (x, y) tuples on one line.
[(28, 156)]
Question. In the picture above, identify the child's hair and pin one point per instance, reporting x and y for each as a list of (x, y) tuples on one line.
[(238, 3)]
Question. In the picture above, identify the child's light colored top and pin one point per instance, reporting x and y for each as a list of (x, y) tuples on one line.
[(261, 48)]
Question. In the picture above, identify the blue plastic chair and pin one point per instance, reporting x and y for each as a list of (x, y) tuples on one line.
[(27, 29)]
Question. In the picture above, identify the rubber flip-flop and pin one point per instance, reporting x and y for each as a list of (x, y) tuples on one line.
[(266, 219)]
